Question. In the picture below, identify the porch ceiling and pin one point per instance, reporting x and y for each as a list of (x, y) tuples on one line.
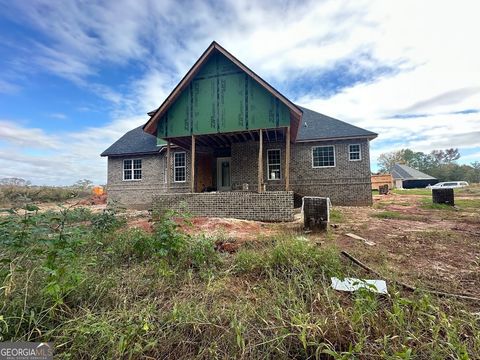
[(225, 140)]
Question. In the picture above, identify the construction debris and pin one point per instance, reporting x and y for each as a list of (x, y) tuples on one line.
[(367, 242), (353, 284), (408, 287)]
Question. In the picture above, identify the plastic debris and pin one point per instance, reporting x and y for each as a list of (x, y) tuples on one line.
[(353, 284), (367, 242)]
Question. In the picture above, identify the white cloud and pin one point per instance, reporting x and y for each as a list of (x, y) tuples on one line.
[(429, 45), (60, 158), (27, 137)]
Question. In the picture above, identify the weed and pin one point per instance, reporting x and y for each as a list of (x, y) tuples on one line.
[(395, 215), (107, 221), (336, 216), (168, 295)]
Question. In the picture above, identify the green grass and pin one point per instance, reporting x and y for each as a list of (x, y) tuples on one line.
[(468, 203), (97, 289), (336, 216), (429, 205), (460, 204), (424, 192), (395, 215)]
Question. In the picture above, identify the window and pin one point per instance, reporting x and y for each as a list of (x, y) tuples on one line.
[(323, 156), (354, 152), (179, 167), (132, 169), (274, 164)]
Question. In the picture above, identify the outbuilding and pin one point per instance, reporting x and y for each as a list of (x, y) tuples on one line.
[(406, 177)]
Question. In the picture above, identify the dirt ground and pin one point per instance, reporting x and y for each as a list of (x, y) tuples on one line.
[(435, 248), (418, 245)]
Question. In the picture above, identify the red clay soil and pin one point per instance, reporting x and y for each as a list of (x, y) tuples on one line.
[(94, 200), (228, 229), (437, 249), (239, 230)]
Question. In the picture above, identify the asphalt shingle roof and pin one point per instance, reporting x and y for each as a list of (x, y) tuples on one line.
[(135, 141), (314, 126), (404, 172)]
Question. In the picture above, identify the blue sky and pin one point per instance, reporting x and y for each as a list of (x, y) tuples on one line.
[(77, 75)]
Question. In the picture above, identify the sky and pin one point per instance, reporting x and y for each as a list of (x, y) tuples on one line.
[(76, 75)]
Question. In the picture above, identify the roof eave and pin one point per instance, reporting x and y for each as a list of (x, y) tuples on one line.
[(133, 153), (369, 137)]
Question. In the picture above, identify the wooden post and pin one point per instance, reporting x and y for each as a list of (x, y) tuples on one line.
[(260, 162), (169, 167), (192, 185), (287, 159)]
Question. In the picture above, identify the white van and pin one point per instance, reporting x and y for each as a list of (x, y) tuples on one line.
[(448, 185)]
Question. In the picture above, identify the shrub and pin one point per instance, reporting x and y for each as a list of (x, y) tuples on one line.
[(107, 221), (200, 254)]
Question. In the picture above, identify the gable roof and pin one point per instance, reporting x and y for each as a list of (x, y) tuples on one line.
[(134, 142), (316, 126), (151, 126), (404, 172)]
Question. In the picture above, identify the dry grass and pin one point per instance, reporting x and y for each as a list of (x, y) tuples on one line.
[(99, 289)]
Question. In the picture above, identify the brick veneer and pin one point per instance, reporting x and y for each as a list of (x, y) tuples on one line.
[(267, 206), (348, 183)]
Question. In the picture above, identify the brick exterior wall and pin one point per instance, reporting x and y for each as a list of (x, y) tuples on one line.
[(267, 206), (348, 183), (138, 194)]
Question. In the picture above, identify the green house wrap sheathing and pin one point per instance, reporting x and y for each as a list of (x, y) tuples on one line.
[(222, 98)]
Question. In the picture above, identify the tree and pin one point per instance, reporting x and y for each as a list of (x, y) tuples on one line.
[(83, 184), (417, 160), (386, 161), (476, 171), (13, 181), (446, 156)]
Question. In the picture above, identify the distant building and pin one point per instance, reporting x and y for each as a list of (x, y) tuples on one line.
[(409, 178)]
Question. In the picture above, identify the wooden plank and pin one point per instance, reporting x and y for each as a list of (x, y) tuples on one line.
[(260, 162), (169, 166), (213, 140), (287, 159), (192, 179)]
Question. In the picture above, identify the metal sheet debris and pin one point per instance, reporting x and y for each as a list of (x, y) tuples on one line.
[(353, 284), (367, 242)]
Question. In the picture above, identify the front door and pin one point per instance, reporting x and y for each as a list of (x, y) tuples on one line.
[(223, 174)]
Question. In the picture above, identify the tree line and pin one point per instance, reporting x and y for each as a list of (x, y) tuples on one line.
[(440, 164)]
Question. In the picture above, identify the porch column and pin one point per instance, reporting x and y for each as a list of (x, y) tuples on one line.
[(169, 170), (260, 162), (287, 159), (192, 185)]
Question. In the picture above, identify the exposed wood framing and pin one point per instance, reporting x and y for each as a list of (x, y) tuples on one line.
[(287, 159), (169, 166), (192, 177), (260, 162)]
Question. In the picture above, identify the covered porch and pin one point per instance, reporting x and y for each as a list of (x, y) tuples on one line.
[(233, 161)]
